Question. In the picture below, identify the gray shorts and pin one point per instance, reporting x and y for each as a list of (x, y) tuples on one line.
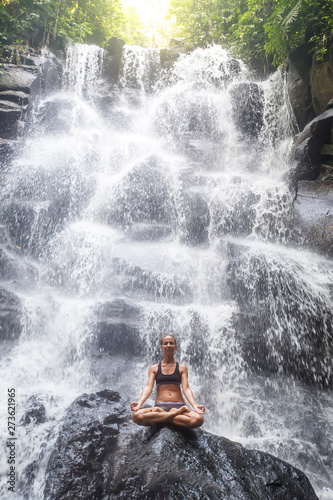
[(167, 405)]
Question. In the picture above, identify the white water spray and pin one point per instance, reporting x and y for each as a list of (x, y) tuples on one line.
[(162, 202)]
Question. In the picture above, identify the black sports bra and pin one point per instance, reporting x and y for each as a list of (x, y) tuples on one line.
[(174, 378)]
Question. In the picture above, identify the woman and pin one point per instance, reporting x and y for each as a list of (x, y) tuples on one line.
[(170, 405)]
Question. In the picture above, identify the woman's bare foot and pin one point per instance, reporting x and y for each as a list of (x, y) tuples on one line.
[(157, 408), (177, 411)]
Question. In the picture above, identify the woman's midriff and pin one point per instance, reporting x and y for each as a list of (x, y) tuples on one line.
[(169, 392)]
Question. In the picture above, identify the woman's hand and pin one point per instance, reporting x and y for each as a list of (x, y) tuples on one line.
[(200, 409), (135, 406)]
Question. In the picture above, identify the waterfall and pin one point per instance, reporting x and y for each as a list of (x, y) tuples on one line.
[(168, 209)]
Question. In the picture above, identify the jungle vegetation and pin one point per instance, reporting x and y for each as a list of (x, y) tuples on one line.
[(54, 23), (263, 32)]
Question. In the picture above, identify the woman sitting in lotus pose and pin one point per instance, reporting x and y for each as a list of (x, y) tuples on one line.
[(170, 405)]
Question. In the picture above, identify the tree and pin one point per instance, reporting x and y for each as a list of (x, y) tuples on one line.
[(54, 22), (263, 32)]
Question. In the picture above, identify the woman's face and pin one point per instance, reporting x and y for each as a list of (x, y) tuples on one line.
[(168, 344)]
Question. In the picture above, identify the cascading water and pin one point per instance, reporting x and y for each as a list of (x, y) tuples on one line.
[(165, 209)]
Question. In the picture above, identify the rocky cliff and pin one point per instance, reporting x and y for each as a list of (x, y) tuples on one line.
[(310, 84)]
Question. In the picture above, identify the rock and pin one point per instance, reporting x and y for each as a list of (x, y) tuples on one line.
[(7, 149), (51, 72), (197, 218), (309, 143), (31, 226), (35, 413), (115, 46), (8, 270), (298, 81), (112, 58), (18, 78), (277, 327), (78, 466), (10, 114), (24, 75), (118, 327), (247, 100), (19, 55), (188, 118), (15, 96), (177, 42), (143, 195), (12, 268), (10, 315), (141, 69), (169, 55), (149, 232), (314, 214), (133, 280), (321, 85), (101, 454)]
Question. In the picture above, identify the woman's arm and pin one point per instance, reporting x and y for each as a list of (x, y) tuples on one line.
[(147, 390), (188, 392)]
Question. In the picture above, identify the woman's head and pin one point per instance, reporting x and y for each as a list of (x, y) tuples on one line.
[(167, 337)]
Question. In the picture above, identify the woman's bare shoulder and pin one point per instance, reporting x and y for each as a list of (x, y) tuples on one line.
[(153, 368), (182, 369)]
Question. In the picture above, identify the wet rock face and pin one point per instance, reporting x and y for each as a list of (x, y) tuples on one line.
[(15, 87), (197, 218), (10, 315), (247, 101), (169, 55), (35, 413), (112, 59), (142, 195), (277, 327), (118, 327), (322, 84), (298, 81), (79, 464), (24, 74), (101, 454), (314, 214), (309, 144)]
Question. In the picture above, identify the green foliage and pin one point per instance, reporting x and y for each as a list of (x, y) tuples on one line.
[(131, 29), (262, 32), (54, 22)]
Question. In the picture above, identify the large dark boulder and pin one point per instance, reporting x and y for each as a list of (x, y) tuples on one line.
[(80, 463), (112, 58), (309, 144), (18, 78), (101, 454)]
